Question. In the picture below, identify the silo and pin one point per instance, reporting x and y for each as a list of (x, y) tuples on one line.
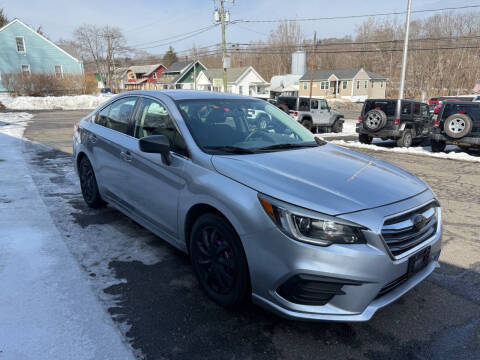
[(299, 63)]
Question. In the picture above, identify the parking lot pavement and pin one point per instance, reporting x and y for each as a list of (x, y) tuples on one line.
[(150, 291)]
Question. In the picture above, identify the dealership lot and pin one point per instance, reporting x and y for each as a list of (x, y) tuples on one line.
[(150, 291)]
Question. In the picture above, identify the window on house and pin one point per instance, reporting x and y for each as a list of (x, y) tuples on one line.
[(381, 84), (305, 85), (358, 84), (366, 84), (344, 85), (373, 83), (154, 75), (58, 71), (20, 44), (26, 69), (240, 90)]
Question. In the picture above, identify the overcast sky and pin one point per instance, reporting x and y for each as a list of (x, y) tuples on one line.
[(148, 20)]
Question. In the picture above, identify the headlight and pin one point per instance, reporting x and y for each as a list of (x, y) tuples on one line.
[(309, 226)]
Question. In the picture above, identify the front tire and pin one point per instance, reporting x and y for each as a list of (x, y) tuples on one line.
[(219, 261), (337, 126), (365, 139), (437, 146), (88, 184), (307, 124)]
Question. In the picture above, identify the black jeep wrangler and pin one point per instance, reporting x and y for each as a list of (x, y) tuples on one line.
[(458, 123), (377, 120)]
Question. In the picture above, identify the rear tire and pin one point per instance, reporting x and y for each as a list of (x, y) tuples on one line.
[(88, 184), (438, 146), (406, 140), (337, 126), (219, 261), (307, 124), (364, 139)]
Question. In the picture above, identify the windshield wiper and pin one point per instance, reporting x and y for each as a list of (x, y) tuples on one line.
[(287, 146), (230, 149)]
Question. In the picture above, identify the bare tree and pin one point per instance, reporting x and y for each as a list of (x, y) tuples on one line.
[(101, 45), (3, 18)]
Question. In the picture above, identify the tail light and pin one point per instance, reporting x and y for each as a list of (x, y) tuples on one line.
[(360, 118), (295, 113), (436, 123), (396, 121), (461, 112), (75, 127)]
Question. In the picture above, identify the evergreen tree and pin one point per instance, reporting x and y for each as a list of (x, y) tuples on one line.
[(170, 57)]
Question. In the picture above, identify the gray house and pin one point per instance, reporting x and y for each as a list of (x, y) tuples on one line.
[(23, 50)]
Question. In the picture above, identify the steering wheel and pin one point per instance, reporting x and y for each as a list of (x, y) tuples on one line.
[(260, 133)]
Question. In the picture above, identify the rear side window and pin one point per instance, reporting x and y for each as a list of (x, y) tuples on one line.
[(406, 108), (416, 108), (117, 115), (425, 110), (323, 105)]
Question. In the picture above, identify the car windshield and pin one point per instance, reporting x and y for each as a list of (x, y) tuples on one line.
[(243, 126)]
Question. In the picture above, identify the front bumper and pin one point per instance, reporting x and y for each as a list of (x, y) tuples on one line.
[(364, 269)]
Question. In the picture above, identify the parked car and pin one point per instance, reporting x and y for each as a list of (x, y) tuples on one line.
[(307, 229), (437, 108), (433, 101), (315, 114), (458, 123), (377, 120)]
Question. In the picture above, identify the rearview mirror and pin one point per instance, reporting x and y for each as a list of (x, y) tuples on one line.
[(156, 144)]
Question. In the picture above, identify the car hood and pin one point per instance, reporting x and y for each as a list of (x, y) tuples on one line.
[(328, 178)]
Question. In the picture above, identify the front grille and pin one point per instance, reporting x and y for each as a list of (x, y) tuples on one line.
[(402, 234)]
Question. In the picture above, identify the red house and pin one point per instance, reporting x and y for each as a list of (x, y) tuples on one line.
[(143, 77)]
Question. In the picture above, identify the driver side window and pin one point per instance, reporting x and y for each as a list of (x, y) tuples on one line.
[(152, 118), (323, 105)]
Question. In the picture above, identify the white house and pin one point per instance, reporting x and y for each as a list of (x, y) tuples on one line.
[(241, 80)]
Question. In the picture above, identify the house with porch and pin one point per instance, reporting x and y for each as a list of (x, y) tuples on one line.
[(180, 75), (354, 84), (25, 51), (240, 80), (143, 77)]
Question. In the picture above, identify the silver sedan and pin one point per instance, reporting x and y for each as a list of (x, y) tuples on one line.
[(265, 210)]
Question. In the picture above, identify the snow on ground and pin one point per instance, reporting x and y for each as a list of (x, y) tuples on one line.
[(424, 151), (74, 102), (14, 124), (348, 130)]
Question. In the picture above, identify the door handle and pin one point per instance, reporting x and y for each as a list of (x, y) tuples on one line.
[(126, 155)]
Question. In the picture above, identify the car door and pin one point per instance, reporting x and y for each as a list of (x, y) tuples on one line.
[(154, 187), (109, 151), (314, 110), (324, 113)]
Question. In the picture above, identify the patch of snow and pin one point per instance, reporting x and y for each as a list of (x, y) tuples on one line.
[(423, 151), (75, 102), (348, 130), (14, 124)]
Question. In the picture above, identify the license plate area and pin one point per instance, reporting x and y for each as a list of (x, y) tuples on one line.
[(418, 261)]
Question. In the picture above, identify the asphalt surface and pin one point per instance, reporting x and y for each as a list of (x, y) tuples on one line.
[(150, 291)]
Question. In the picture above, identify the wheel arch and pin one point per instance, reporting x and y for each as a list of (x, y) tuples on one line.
[(194, 213)]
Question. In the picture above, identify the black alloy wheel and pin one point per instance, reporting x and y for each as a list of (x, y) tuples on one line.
[(218, 261), (88, 184)]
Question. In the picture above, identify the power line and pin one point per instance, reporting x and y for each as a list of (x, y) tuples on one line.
[(356, 16), (192, 34), (175, 36)]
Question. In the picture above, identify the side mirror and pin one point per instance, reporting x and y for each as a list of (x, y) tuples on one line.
[(156, 144)]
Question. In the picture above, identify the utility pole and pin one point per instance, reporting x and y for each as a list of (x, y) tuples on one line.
[(312, 63), (223, 17), (404, 62)]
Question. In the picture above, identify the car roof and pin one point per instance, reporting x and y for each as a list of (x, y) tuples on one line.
[(408, 100), (188, 94)]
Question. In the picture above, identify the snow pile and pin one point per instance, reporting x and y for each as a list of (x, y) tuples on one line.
[(53, 102), (424, 151), (349, 127), (14, 124)]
